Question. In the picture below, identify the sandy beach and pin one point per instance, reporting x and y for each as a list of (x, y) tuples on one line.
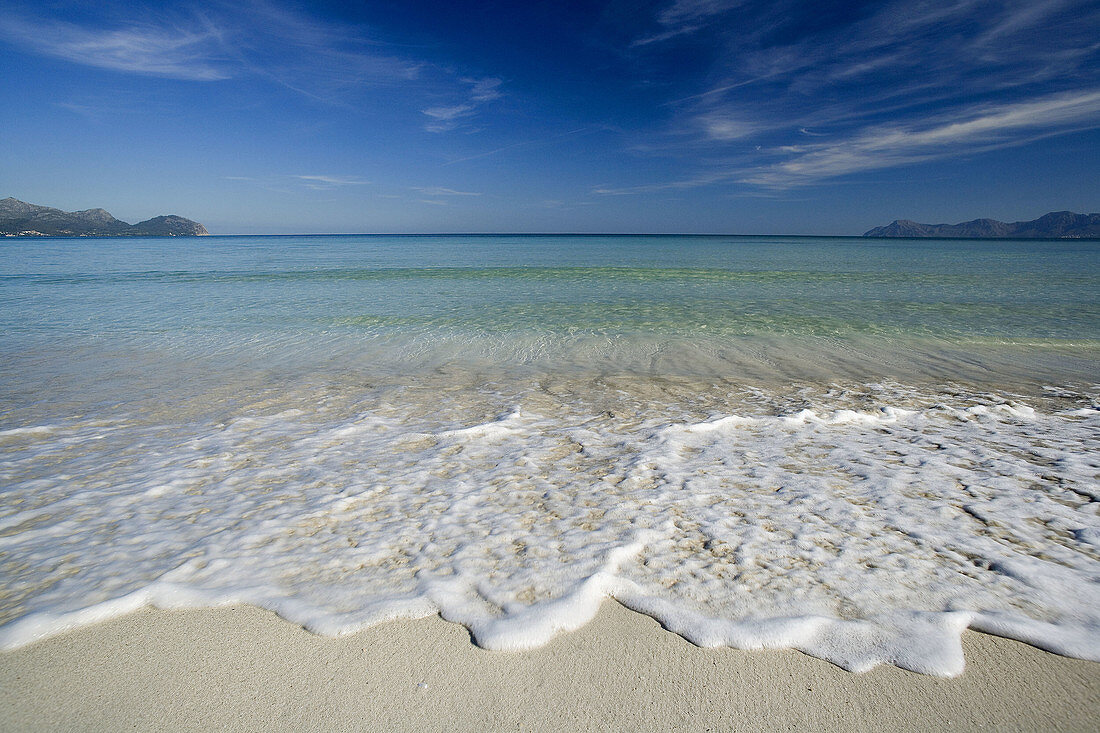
[(243, 668)]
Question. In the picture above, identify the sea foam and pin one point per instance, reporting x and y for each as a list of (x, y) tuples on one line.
[(863, 524)]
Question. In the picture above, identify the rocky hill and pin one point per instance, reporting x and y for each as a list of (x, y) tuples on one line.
[(20, 218), (1055, 225)]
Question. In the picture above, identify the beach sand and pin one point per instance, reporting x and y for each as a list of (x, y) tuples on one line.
[(243, 668)]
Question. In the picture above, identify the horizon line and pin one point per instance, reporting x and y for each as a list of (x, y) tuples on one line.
[(533, 234)]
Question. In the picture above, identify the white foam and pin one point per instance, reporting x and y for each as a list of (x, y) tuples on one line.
[(844, 417), (802, 417), (34, 430), (1022, 412), (494, 429), (864, 525), (720, 424)]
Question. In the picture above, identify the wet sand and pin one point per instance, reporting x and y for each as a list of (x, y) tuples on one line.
[(242, 668)]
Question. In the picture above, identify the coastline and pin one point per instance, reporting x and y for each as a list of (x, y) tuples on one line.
[(243, 668)]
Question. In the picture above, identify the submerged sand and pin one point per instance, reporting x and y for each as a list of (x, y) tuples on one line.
[(243, 668)]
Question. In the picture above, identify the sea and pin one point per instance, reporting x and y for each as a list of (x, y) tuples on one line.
[(858, 448)]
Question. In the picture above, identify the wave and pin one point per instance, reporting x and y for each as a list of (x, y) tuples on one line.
[(861, 523)]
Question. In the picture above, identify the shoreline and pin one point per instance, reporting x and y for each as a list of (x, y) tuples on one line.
[(244, 668)]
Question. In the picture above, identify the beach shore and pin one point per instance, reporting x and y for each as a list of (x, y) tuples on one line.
[(243, 668)]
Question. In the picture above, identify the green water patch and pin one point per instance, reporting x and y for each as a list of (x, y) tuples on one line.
[(535, 274), (726, 318)]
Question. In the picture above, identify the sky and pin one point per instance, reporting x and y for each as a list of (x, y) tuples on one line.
[(675, 116)]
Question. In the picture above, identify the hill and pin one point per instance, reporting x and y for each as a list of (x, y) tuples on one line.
[(1055, 225), (18, 218)]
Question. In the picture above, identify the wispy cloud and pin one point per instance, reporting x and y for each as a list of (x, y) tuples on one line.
[(692, 11), (317, 58), (313, 182), (441, 191), (322, 59), (697, 181), (446, 117), (977, 130), (795, 95), (916, 51), (166, 50), (87, 111), (484, 90), (686, 16), (318, 182), (718, 126)]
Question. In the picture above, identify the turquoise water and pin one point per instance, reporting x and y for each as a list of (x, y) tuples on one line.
[(712, 306), (802, 286), (853, 447)]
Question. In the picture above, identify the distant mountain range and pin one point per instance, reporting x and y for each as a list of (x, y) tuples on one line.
[(20, 218), (1055, 225)]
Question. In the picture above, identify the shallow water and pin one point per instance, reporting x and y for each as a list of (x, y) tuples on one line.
[(853, 447)]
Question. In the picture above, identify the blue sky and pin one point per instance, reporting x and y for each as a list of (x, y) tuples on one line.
[(711, 116)]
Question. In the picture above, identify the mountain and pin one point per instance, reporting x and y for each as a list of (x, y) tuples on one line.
[(170, 226), (1055, 225), (19, 217)]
